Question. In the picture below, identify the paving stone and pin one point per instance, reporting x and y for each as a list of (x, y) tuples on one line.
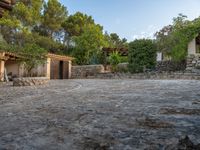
[(101, 114)]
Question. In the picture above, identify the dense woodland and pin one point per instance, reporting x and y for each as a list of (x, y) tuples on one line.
[(35, 27)]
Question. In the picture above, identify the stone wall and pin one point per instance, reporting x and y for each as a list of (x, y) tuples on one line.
[(30, 81), (142, 76), (122, 67), (161, 66), (193, 63), (79, 72), (170, 66)]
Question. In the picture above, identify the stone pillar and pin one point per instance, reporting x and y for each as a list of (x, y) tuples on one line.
[(2, 68), (69, 69), (21, 70), (192, 47), (48, 65)]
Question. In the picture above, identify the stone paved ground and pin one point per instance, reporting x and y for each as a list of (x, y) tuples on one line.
[(100, 114)]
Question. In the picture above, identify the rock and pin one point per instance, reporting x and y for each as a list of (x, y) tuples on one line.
[(87, 71), (187, 144), (30, 81)]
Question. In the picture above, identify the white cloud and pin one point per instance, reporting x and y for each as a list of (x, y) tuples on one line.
[(148, 33)]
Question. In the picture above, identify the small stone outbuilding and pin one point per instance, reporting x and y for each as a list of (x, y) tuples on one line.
[(55, 67), (59, 66)]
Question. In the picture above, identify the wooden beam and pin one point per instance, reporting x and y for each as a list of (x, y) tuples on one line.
[(59, 57), (5, 5)]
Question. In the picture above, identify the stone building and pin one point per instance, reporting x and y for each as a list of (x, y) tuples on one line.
[(55, 67), (193, 60)]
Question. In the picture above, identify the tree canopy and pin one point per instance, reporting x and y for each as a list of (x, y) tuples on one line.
[(46, 24), (89, 44), (173, 39)]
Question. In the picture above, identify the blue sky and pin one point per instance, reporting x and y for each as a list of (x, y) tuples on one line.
[(134, 18)]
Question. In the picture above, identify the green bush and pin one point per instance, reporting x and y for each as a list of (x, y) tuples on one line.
[(142, 54), (33, 56), (114, 60), (123, 59)]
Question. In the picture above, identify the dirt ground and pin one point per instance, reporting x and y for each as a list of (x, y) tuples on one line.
[(100, 115)]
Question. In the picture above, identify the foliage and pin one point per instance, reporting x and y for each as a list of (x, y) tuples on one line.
[(89, 44), (114, 60), (54, 15), (46, 24), (8, 47), (28, 20), (123, 59), (74, 25), (47, 43), (33, 56), (16, 28), (163, 39), (115, 41), (142, 54), (28, 12), (9, 26), (173, 40), (22, 27)]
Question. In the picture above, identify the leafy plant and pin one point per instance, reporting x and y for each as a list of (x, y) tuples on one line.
[(142, 54), (173, 39), (88, 45), (33, 55), (123, 59), (114, 60)]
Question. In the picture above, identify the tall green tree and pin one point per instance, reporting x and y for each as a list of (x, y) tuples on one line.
[(88, 45), (74, 26), (18, 24), (163, 40), (28, 12), (54, 15)]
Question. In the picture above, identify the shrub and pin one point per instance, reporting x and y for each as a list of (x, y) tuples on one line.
[(142, 54), (123, 59), (114, 60), (33, 56)]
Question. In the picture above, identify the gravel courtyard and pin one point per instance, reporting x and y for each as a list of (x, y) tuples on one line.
[(100, 115)]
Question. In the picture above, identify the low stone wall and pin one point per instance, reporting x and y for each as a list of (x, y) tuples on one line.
[(30, 81), (193, 63), (122, 67), (170, 66), (156, 76), (79, 72), (161, 66)]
